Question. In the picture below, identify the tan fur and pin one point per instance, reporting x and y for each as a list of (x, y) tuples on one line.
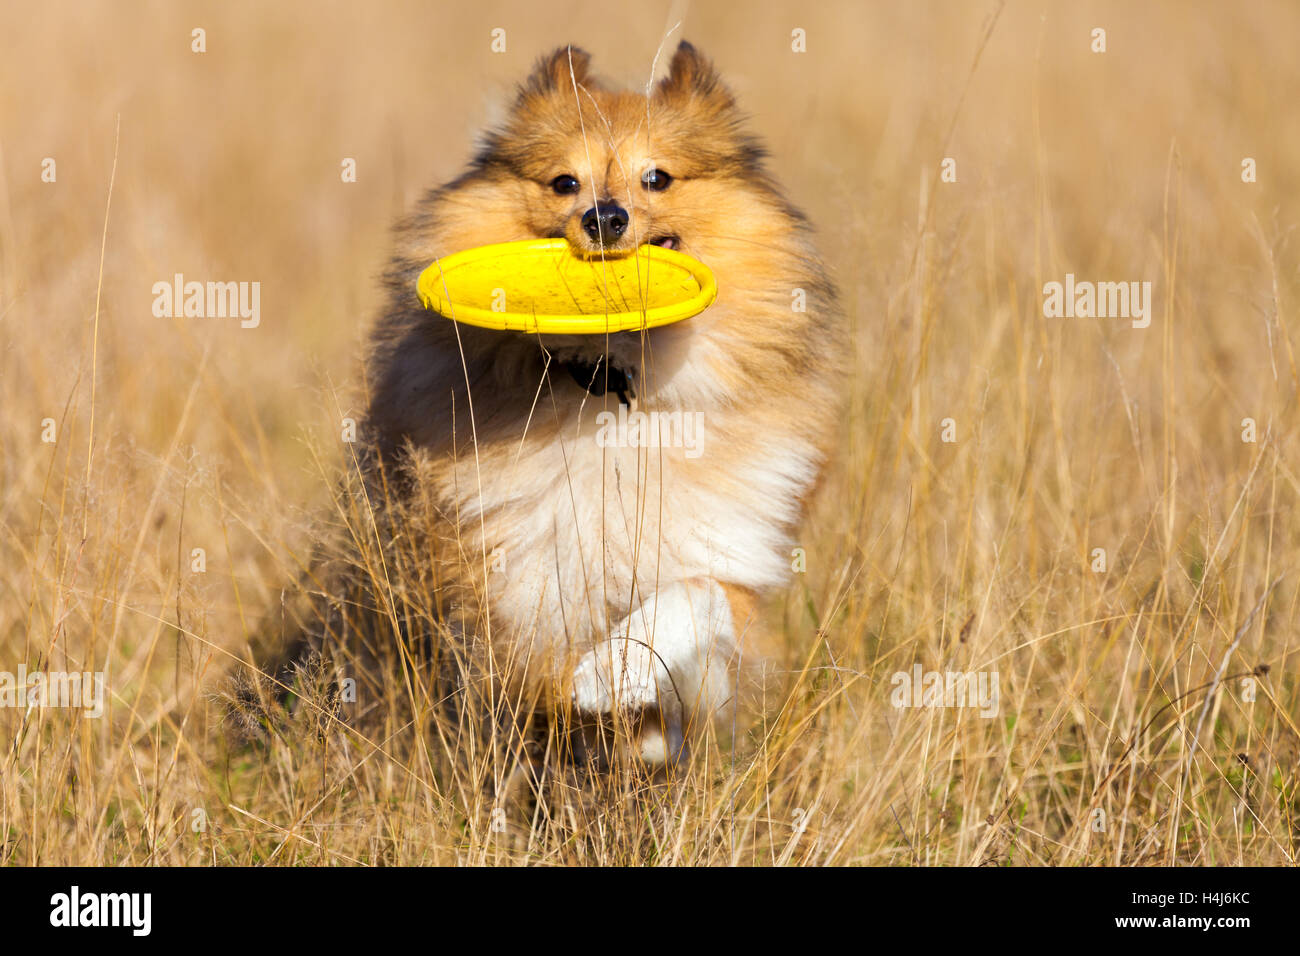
[(493, 449)]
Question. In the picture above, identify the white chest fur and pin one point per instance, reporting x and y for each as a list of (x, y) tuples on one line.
[(583, 529)]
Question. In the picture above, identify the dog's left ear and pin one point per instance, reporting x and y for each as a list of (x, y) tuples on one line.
[(559, 69), (691, 75)]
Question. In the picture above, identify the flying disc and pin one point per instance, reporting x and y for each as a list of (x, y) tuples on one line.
[(542, 285)]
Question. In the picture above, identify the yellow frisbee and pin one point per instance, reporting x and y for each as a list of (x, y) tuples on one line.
[(542, 285)]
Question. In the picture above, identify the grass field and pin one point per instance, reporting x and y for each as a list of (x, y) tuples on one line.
[(1149, 712)]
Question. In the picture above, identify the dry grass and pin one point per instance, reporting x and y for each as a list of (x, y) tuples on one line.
[(1072, 434)]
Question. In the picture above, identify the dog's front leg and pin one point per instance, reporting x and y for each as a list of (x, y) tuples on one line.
[(666, 669)]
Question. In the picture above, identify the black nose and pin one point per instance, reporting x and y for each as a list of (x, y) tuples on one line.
[(607, 218)]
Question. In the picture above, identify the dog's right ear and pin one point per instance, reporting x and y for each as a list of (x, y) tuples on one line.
[(692, 75), (558, 70)]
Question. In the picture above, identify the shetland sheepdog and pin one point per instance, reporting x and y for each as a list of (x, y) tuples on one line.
[(593, 575)]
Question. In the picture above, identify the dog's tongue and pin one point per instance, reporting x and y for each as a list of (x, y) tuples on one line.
[(667, 242)]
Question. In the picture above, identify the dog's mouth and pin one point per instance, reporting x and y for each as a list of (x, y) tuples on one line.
[(670, 241)]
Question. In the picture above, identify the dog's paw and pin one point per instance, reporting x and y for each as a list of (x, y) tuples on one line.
[(619, 674), (659, 742)]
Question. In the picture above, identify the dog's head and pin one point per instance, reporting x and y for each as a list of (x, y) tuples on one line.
[(610, 170)]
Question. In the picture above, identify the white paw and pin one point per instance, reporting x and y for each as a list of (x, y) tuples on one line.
[(658, 744), (619, 674)]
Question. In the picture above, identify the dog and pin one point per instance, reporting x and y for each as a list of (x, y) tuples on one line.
[(615, 582)]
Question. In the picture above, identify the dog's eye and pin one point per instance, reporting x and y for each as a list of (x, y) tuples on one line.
[(656, 180), (565, 185)]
